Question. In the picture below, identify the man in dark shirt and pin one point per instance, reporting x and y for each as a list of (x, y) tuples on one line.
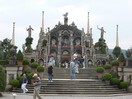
[(50, 73)]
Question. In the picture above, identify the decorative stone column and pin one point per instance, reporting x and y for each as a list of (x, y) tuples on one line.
[(59, 49), (71, 40)]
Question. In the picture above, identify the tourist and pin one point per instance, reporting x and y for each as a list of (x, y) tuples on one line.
[(50, 73), (36, 84), (66, 64), (24, 83), (76, 65), (52, 62), (84, 62), (72, 69)]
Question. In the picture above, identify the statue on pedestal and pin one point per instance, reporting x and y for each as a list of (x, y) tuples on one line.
[(102, 31), (65, 18), (29, 31)]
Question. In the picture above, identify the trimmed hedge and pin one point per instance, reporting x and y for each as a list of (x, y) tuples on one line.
[(15, 83), (2, 79), (4, 62)]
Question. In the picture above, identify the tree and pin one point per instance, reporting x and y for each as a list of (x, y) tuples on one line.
[(100, 46), (121, 58), (19, 55), (5, 48), (116, 52), (28, 44), (2, 79), (129, 53)]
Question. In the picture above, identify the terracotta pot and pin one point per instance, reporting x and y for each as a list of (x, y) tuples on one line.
[(108, 70), (99, 75), (41, 74), (19, 62)]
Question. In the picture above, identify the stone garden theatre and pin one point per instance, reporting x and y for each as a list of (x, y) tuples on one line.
[(64, 40)]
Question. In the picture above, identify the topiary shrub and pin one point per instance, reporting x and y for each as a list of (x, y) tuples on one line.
[(25, 62), (19, 55), (124, 85), (107, 76), (40, 69), (34, 65), (107, 66), (15, 82), (114, 63), (114, 81), (100, 70)]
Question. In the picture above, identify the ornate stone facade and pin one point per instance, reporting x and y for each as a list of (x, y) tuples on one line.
[(63, 41)]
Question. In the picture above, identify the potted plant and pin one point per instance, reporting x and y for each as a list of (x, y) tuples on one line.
[(25, 63), (34, 66), (107, 77), (114, 64), (121, 59), (15, 83), (30, 77), (19, 58), (124, 85), (100, 71), (40, 70), (115, 81), (107, 68)]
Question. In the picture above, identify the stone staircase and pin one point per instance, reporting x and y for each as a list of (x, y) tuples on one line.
[(84, 83)]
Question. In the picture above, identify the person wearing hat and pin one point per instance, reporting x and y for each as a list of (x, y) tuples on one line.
[(36, 84)]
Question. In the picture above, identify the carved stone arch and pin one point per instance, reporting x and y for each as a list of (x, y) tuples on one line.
[(87, 43), (65, 62), (53, 52), (90, 62), (103, 62), (88, 52), (98, 62), (42, 51), (32, 60), (65, 40), (78, 52), (54, 41), (77, 41), (65, 52), (66, 32)]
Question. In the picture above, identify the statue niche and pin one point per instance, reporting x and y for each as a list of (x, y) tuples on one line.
[(77, 42), (65, 41), (44, 43), (53, 42)]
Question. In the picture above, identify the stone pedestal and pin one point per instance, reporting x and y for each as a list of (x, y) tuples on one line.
[(11, 72)]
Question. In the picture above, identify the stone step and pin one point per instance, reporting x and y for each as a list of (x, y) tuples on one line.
[(84, 83)]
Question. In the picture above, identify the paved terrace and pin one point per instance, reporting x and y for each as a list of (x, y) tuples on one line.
[(30, 96)]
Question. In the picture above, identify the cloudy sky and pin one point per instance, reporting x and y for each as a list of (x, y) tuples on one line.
[(104, 13)]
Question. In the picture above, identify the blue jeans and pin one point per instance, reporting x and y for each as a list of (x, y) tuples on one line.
[(72, 73), (50, 77)]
